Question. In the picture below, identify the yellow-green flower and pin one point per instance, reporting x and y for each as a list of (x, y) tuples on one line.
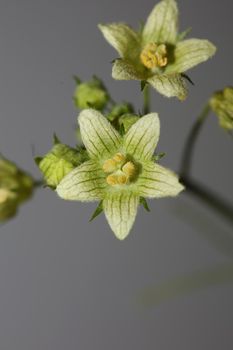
[(15, 187), (91, 94), (157, 54), (222, 105), (120, 169)]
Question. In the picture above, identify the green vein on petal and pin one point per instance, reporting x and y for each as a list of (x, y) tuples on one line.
[(120, 210), (98, 135), (142, 138), (85, 183)]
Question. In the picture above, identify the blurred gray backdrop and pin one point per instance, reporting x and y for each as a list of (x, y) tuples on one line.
[(69, 284)]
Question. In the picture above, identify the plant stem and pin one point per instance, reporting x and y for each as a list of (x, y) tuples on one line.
[(190, 143), (38, 183), (208, 197), (146, 99), (197, 190)]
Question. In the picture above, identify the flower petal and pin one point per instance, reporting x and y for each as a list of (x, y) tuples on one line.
[(123, 38), (142, 138), (120, 209), (98, 135), (161, 25), (170, 85), (124, 70), (84, 183), (189, 53), (156, 181)]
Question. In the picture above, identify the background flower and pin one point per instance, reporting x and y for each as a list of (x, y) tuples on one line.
[(157, 54)]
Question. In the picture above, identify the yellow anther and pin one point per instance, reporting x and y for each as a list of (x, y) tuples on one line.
[(154, 55), (109, 166), (129, 169), (121, 179), (119, 157), (4, 195), (120, 171), (112, 180)]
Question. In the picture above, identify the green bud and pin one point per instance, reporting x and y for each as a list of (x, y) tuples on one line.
[(59, 162), (15, 187), (91, 94), (127, 120), (119, 110), (222, 105)]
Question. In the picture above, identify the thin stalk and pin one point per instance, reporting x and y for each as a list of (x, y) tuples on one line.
[(191, 141), (146, 99), (38, 183), (215, 202)]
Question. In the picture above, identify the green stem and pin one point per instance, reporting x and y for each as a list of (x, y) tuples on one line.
[(200, 192), (146, 99), (208, 197), (38, 183), (190, 143)]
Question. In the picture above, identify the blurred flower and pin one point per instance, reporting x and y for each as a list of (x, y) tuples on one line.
[(57, 163), (120, 169), (222, 105), (157, 54), (15, 187), (120, 109), (91, 94)]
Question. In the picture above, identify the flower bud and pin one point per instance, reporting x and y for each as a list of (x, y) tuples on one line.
[(91, 94), (222, 105), (119, 110), (127, 120), (57, 163), (15, 187)]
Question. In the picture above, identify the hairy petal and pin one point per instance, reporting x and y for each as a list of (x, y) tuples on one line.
[(84, 183), (142, 138), (155, 181), (120, 210), (124, 70), (169, 85), (123, 38), (161, 25), (189, 53), (98, 135)]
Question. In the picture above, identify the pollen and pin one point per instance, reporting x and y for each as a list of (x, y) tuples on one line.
[(122, 179), (153, 56), (120, 170), (112, 180), (109, 166), (129, 169), (119, 157)]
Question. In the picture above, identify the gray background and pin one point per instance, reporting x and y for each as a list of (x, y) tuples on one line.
[(69, 284)]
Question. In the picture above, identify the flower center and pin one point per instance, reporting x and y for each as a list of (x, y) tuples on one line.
[(154, 55), (120, 170)]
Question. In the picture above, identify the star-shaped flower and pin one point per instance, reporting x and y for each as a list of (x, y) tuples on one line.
[(157, 55), (120, 169)]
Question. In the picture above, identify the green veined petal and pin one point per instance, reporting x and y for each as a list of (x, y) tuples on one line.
[(124, 70), (124, 39), (189, 53), (170, 85), (85, 183), (162, 23), (142, 138), (156, 181), (120, 209), (98, 135)]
